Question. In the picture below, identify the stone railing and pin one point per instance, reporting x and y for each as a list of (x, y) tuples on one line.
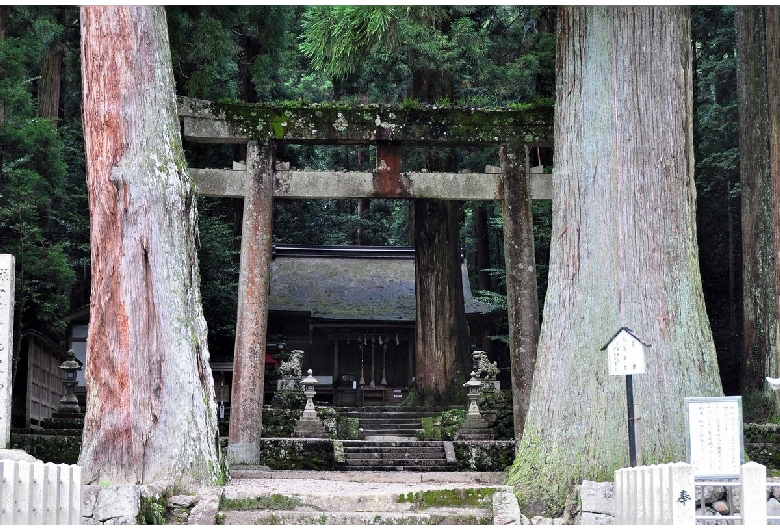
[(38, 493)]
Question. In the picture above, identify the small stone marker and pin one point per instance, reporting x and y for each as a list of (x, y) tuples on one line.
[(7, 270)]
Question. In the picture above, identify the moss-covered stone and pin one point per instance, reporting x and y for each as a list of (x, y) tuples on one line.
[(488, 455), (280, 422), (297, 453), (339, 425), (340, 123)]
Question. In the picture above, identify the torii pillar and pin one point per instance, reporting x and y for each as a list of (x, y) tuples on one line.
[(522, 303), (246, 416)]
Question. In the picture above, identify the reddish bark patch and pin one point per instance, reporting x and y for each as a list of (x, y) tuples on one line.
[(387, 180)]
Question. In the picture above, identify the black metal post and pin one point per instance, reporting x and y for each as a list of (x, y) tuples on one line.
[(631, 432)]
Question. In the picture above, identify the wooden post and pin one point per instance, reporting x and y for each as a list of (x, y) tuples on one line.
[(631, 431), (335, 359), (522, 303), (246, 416)]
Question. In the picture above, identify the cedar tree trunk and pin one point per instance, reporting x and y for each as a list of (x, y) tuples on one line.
[(772, 18), (758, 275), (51, 76), (151, 413), (441, 344), (623, 253)]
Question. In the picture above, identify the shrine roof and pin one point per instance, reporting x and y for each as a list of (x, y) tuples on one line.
[(351, 283)]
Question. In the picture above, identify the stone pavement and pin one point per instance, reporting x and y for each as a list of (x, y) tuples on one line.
[(339, 492)]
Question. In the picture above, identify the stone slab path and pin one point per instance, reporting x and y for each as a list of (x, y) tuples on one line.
[(344, 497)]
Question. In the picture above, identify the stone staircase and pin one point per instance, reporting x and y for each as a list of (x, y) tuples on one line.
[(390, 423), (390, 442), (351, 503), (406, 455)]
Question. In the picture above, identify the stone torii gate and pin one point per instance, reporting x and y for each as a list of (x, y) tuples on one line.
[(262, 126)]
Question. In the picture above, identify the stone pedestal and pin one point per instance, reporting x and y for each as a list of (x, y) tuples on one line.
[(64, 421), (308, 427), (474, 428)]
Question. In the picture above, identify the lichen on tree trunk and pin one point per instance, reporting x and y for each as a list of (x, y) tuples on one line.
[(151, 413), (522, 302), (623, 253)]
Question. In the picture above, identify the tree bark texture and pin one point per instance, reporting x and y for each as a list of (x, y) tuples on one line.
[(151, 413), (442, 337), (254, 281), (623, 253), (522, 302), (772, 20), (51, 77), (482, 239), (759, 357), (4, 12)]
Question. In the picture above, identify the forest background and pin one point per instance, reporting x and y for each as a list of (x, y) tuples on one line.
[(486, 56)]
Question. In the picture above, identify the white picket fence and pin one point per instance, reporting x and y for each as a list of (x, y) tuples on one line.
[(666, 494), (38, 493)]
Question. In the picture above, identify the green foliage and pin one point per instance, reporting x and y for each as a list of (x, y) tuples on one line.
[(33, 192), (431, 428), (218, 258), (152, 511), (442, 427), (338, 425), (412, 399), (451, 420), (496, 408), (337, 38)]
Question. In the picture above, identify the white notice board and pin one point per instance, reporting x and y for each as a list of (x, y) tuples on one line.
[(625, 354), (715, 444)]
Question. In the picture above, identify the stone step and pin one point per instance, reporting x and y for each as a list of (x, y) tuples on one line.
[(401, 443), (390, 461), (410, 422), (390, 416), (405, 433), (394, 450), (285, 517), (414, 468)]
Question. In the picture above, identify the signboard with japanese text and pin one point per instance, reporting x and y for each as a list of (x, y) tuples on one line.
[(625, 354), (715, 443)]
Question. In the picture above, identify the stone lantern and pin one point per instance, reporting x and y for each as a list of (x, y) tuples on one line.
[(308, 383), (474, 427), (69, 403), (473, 385), (309, 426)]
